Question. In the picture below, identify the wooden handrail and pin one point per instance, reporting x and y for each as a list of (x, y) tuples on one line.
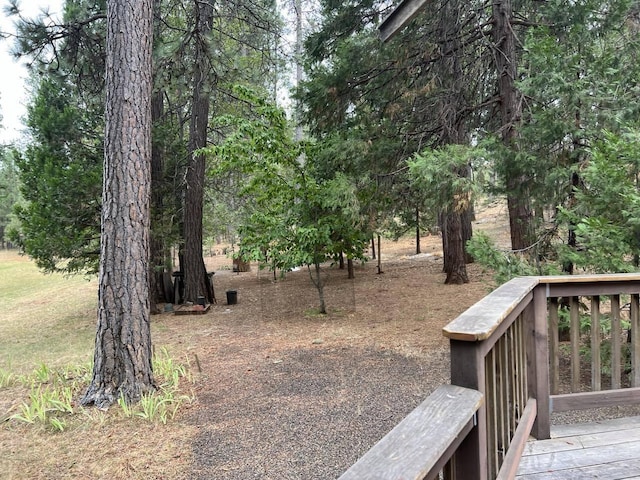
[(419, 446), (500, 352)]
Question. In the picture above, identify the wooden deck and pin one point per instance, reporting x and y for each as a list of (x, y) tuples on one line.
[(507, 348), (608, 449)]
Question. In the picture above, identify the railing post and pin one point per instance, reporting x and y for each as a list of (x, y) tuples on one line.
[(467, 370), (538, 361)]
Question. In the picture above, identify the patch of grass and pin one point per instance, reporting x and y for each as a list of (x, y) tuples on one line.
[(51, 393), (7, 379), (46, 319), (163, 404)]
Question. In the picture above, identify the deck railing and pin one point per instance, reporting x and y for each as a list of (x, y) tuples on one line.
[(508, 350)]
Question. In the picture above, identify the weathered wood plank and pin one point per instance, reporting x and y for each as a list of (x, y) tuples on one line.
[(587, 289), (614, 424), (399, 17), (554, 346), (539, 356), (574, 315), (591, 437), (518, 442), (468, 370), (603, 398), (596, 362), (420, 445), (482, 319), (625, 469), (587, 278), (616, 332), (635, 340), (579, 458)]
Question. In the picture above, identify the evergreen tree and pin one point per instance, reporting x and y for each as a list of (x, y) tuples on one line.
[(9, 192)]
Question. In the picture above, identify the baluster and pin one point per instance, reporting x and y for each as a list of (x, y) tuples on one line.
[(554, 350), (574, 314), (615, 342), (492, 413), (596, 361), (524, 378), (635, 340), (503, 345)]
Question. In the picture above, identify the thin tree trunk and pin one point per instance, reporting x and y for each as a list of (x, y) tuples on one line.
[(195, 275), (122, 355), (157, 254), (299, 54), (373, 248), (418, 250), (317, 280), (351, 273), (379, 257)]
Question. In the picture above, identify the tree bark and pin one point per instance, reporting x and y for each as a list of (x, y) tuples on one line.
[(195, 275), (456, 269), (518, 201), (455, 219), (318, 281), (350, 271), (122, 355)]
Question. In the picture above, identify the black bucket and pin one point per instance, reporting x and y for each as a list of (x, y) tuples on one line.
[(232, 297)]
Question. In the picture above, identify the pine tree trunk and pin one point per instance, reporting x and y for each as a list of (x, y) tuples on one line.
[(456, 269), (122, 355), (518, 201), (455, 220), (195, 275)]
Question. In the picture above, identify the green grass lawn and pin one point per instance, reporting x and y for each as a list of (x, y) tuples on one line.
[(44, 318)]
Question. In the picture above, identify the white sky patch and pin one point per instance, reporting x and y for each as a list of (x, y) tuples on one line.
[(14, 93)]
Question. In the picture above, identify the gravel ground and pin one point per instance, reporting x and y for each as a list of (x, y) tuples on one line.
[(326, 406)]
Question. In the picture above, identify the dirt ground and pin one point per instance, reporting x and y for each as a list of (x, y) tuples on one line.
[(280, 391), (286, 393)]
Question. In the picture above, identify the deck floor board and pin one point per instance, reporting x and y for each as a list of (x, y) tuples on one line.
[(605, 449)]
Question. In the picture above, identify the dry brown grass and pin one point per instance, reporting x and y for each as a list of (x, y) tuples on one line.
[(243, 355)]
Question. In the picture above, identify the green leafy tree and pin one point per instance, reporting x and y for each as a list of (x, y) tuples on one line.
[(442, 175), (69, 56), (606, 212), (293, 219), (61, 167), (61, 172), (9, 191), (579, 79)]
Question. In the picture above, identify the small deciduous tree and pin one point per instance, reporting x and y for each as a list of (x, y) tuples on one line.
[(293, 219)]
